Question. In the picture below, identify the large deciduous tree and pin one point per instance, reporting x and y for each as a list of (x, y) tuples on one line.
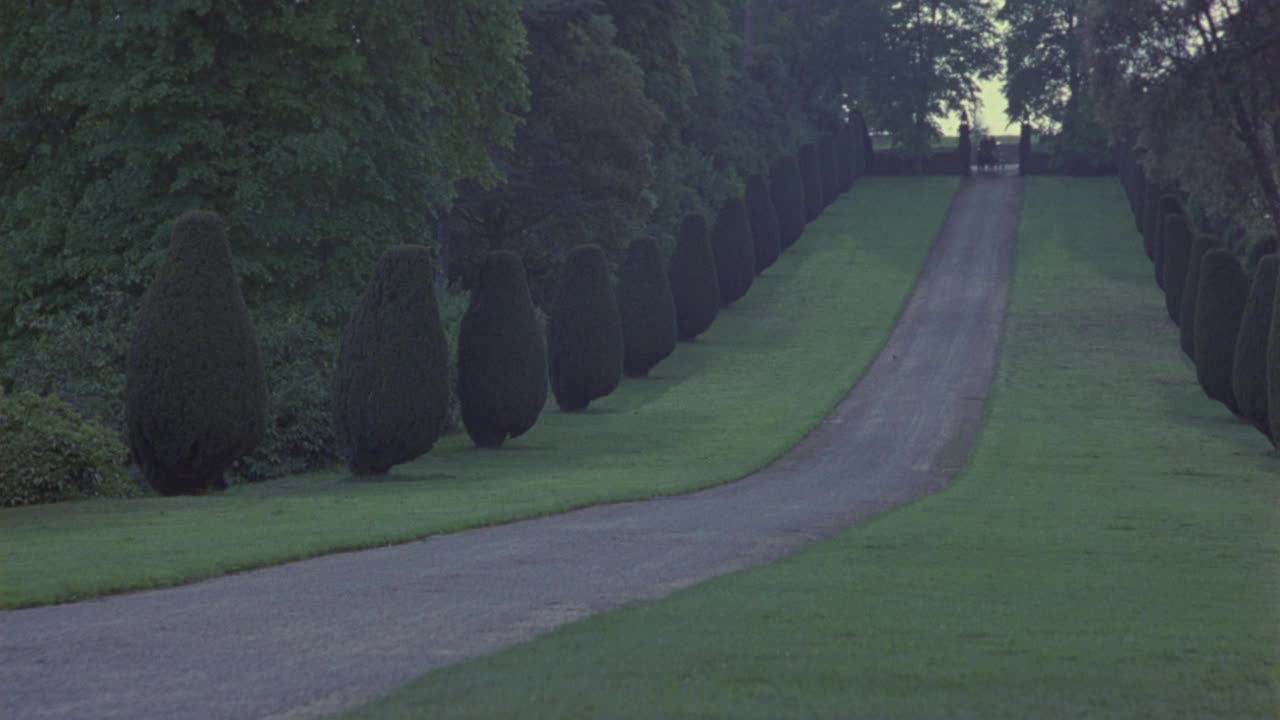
[(1194, 83)]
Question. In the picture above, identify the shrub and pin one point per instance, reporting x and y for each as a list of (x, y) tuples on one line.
[(647, 308), (48, 452), (392, 394), (298, 354), (195, 389), (1249, 366), (811, 174), (786, 189), (734, 251), (1150, 223), (1222, 295), (1177, 251), (502, 360), (585, 348), (763, 218), (1167, 205), (830, 173), (1187, 310), (695, 285)]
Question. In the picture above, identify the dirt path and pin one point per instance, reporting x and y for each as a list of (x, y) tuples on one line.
[(314, 637)]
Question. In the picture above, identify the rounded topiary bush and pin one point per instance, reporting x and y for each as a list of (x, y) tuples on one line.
[(647, 308), (1176, 258), (48, 452), (391, 396), (502, 359), (1220, 302), (734, 250), (1150, 222), (811, 174), (830, 172), (765, 231), (695, 286), (786, 188), (585, 347), (1202, 244), (1249, 365), (195, 390)]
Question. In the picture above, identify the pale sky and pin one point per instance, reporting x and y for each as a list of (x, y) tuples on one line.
[(992, 113)]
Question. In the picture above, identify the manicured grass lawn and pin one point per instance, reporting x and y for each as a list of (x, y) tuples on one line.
[(768, 370), (1112, 550)]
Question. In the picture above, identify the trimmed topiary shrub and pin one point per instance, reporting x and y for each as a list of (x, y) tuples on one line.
[(391, 398), (765, 232), (195, 390), (647, 308), (1150, 223), (1176, 257), (1187, 311), (830, 173), (48, 452), (585, 348), (502, 359), (786, 188), (734, 250), (811, 174), (1220, 302), (1024, 149), (1249, 365), (695, 285)]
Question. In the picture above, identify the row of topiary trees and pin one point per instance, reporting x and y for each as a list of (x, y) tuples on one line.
[(197, 392), (1221, 296)]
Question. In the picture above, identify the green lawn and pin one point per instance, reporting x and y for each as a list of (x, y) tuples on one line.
[(769, 369), (1112, 550)]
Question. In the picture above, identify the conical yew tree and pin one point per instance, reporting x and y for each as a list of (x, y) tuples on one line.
[(1222, 295), (1249, 365), (734, 249), (1202, 244), (765, 232), (391, 397), (1176, 257), (811, 174), (647, 308), (585, 344), (1150, 221), (827, 166), (502, 359), (195, 388), (695, 285), (786, 188)]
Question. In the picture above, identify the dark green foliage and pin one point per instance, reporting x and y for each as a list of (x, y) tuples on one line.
[(1202, 244), (502, 360), (830, 172), (48, 452), (585, 345), (391, 398), (1165, 206), (1175, 258), (786, 188), (765, 229), (1024, 149), (195, 389), (964, 153), (846, 156), (734, 249), (1249, 369), (811, 173), (695, 285), (647, 308), (1150, 223), (1223, 292), (319, 129)]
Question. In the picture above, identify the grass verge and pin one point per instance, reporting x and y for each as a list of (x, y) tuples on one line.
[(1111, 551), (768, 370)]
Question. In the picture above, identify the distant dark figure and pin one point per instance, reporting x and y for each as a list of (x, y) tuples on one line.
[(988, 154)]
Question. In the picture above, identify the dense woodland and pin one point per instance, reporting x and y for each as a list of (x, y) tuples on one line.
[(324, 133)]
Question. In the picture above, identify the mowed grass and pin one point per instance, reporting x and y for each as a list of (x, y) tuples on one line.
[(768, 370), (1111, 551)]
